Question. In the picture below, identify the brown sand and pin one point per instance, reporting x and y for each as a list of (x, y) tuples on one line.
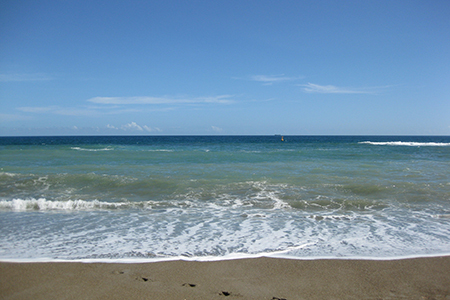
[(259, 278)]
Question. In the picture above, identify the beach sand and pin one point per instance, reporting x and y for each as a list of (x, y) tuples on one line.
[(258, 278)]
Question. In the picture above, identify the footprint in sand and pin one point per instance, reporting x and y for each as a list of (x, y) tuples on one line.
[(226, 294), (138, 278), (144, 279), (189, 284)]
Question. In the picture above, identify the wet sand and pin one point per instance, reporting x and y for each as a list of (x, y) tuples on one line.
[(258, 278)]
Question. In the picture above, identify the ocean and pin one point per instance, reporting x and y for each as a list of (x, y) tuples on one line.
[(149, 198)]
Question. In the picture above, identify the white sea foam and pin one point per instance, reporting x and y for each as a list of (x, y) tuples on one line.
[(160, 150), (398, 143), (44, 204), (92, 149), (271, 193), (7, 174), (231, 256), (215, 233)]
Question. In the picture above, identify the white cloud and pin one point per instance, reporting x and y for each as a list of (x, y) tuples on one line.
[(24, 77), (115, 105), (149, 129), (273, 78), (13, 117), (38, 109), (216, 129), (132, 126), (222, 99), (88, 111), (66, 111), (270, 79), (331, 89)]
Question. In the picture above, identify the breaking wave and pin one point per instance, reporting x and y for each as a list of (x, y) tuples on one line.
[(92, 149), (44, 204), (399, 143)]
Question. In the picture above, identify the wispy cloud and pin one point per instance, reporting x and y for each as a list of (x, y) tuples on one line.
[(13, 117), (42, 109), (221, 99), (131, 127), (86, 111), (331, 89), (134, 127), (269, 79), (151, 129), (24, 77), (66, 111), (123, 105)]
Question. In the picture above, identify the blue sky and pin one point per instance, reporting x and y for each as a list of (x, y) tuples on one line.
[(224, 67)]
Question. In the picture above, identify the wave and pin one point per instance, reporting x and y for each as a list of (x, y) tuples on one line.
[(399, 143), (91, 149), (8, 174), (44, 204), (161, 150)]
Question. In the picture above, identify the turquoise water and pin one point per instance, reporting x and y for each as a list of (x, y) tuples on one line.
[(206, 197)]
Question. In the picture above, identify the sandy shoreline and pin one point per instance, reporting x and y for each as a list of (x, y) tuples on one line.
[(258, 278)]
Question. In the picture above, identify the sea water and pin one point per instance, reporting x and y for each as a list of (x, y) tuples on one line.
[(146, 198)]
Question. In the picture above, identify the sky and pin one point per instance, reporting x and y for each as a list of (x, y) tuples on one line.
[(224, 67)]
